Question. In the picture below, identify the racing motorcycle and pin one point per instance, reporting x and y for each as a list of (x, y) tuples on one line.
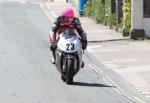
[(68, 55)]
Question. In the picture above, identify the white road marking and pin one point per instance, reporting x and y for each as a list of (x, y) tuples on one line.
[(146, 93), (110, 65), (20, 1), (53, 13), (91, 48), (141, 90), (46, 12), (118, 89), (48, 5)]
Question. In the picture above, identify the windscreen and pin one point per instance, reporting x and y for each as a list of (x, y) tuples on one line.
[(68, 33)]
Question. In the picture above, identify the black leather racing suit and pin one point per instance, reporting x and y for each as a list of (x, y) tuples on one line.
[(58, 27)]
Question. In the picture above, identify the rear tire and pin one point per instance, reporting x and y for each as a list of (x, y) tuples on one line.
[(70, 67), (63, 78)]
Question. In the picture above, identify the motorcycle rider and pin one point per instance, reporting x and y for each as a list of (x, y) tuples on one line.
[(65, 20)]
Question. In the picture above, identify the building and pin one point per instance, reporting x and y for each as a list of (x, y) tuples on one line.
[(119, 12), (140, 18)]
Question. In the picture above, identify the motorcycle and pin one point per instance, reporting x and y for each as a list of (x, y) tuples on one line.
[(68, 55)]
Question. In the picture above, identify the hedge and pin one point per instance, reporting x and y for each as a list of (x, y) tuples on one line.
[(95, 9), (100, 11)]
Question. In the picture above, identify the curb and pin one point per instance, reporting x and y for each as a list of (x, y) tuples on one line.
[(100, 41)]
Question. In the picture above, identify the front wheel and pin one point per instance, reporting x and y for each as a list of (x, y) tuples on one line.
[(70, 67)]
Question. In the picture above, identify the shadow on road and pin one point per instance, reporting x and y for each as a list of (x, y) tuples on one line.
[(91, 84)]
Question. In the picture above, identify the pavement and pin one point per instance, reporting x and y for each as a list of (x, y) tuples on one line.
[(128, 58)]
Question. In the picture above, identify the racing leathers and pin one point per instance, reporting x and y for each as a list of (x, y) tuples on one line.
[(58, 27)]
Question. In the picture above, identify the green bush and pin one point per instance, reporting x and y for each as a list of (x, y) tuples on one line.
[(95, 9), (126, 30), (88, 8), (99, 11), (119, 26), (111, 20), (126, 18)]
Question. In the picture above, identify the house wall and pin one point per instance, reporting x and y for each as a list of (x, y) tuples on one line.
[(137, 19), (146, 26)]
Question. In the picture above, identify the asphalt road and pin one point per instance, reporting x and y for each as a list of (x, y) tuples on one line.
[(26, 74)]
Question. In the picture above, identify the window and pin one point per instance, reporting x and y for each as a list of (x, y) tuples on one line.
[(146, 8)]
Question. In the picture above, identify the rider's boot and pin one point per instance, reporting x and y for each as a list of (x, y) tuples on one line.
[(82, 65), (53, 60)]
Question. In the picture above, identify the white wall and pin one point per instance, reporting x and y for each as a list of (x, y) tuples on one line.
[(146, 26), (138, 21), (137, 16)]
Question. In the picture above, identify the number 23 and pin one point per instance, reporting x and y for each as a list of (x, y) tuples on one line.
[(70, 46)]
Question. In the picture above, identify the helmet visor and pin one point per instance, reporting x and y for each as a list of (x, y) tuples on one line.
[(68, 19)]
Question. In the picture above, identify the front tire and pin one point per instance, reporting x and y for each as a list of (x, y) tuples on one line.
[(70, 67)]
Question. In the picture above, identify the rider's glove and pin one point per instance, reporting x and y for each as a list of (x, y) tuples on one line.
[(84, 44), (53, 45)]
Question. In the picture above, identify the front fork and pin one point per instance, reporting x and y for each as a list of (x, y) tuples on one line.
[(68, 56)]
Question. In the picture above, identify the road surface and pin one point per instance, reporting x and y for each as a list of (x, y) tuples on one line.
[(26, 74)]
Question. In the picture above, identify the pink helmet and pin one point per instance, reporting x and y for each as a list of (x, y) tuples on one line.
[(67, 15), (67, 12)]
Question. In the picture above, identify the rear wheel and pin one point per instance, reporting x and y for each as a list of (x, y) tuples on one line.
[(70, 67), (63, 78)]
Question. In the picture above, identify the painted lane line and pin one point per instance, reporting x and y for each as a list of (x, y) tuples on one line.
[(49, 8), (94, 46), (146, 93), (147, 96), (41, 5), (49, 16), (53, 14), (46, 12), (48, 5), (19, 1), (118, 89), (99, 72), (141, 90), (91, 48), (22, 1)]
